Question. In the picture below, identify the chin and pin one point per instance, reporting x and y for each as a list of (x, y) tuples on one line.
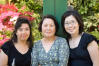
[(23, 39), (49, 36), (71, 33)]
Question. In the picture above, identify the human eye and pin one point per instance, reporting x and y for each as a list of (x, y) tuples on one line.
[(27, 29), (66, 23), (45, 25), (52, 25), (73, 22), (20, 29)]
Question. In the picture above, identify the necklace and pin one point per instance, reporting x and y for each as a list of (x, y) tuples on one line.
[(74, 42)]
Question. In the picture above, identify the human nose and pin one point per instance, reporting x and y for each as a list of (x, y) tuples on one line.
[(23, 31), (70, 25), (48, 27)]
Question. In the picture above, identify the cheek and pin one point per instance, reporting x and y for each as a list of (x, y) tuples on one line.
[(43, 31), (77, 27), (54, 29), (18, 35), (65, 28), (27, 34)]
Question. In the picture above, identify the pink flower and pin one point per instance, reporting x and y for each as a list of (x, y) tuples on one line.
[(98, 27), (1, 26), (9, 13), (23, 7), (6, 16), (0, 6), (10, 7), (28, 13), (3, 41)]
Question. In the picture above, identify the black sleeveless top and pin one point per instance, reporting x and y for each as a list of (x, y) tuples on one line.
[(15, 58), (79, 56)]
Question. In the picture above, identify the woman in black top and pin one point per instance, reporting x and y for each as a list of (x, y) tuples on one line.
[(17, 51), (84, 50)]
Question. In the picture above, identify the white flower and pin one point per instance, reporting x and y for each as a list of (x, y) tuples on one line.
[(14, 19)]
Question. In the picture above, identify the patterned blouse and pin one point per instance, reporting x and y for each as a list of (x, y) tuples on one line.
[(57, 55)]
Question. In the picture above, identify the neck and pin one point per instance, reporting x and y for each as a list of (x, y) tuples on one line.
[(48, 39), (22, 42), (75, 36)]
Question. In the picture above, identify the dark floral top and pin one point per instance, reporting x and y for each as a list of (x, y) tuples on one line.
[(57, 55)]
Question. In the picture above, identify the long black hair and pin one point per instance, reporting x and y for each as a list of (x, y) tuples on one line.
[(19, 22), (77, 16)]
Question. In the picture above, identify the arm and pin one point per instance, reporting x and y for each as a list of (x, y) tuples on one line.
[(3, 58), (34, 56), (93, 50), (63, 53)]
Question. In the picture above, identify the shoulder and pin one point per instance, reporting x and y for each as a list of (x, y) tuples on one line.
[(60, 39), (89, 37), (6, 46), (37, 43)]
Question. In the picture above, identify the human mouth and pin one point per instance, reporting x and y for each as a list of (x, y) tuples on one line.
[(23, 36), (48, 32)]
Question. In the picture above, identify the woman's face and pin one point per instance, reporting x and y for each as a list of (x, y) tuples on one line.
[(71, 25), (23, 32), (48, 28)]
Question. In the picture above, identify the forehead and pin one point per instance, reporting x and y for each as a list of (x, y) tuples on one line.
[(24, 25), (70, 18), (48, 21)]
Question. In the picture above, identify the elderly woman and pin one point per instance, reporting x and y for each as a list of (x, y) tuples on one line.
[(51, 50)]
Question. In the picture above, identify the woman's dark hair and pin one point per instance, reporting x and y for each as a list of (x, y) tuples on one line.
[(50, 17), (77, 17), (19, 22)]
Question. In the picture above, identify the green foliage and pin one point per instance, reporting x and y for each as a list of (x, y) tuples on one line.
[(7, 33), (91, 25), (84, 6), (89, 9), (95, 33), (2, 2), (35, 32), (91, 22), (36, 7), (96, 8)]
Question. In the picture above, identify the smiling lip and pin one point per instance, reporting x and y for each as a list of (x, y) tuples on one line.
[(48, 32), (23, 36), (70, 29)]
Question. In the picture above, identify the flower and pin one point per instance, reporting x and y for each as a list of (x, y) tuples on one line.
[(1, 26), (9, 7), (14, 19), (8, 16), (98, 27), (3, 41)]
